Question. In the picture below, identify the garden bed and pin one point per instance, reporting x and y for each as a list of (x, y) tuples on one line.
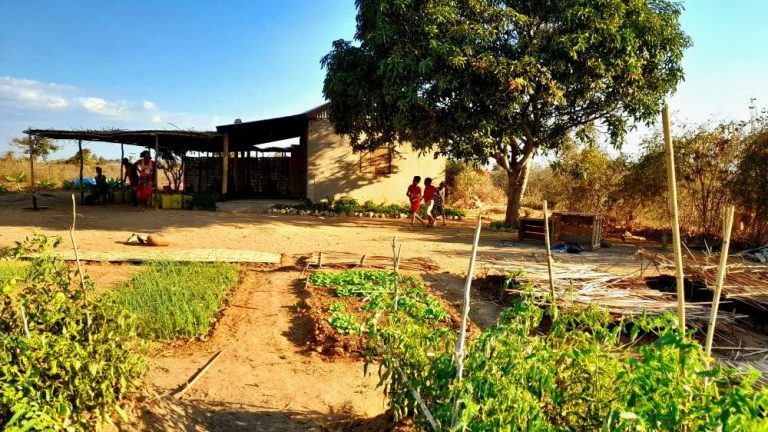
[(346, 307)]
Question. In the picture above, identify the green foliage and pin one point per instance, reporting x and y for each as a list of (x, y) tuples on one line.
[(502, 80), (205, 200), (66, 359), (343, 322), (17, 179), (576, 376), (172, 300), (12, 269), (88, 158), (38, 147), (749, 186), (376, 289), (46, 184)]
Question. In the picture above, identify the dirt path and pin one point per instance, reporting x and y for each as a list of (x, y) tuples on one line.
[(267, 380)]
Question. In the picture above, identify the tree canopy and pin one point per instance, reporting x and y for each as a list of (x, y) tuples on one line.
[(35, 146), (483, 80)]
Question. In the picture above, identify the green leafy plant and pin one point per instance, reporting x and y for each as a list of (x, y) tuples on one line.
[(17, 179), (67, 359), (173, 300), (343, 322), (578, 375), (205, 200), (46, 184)]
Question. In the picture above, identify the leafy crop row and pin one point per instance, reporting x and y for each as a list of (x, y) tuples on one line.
[(378, 291), (580, 375), (172, 299), (66, 359)]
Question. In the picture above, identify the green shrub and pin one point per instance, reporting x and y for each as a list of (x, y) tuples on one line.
[(173, 299), (205, 200), (66, 359), (577, 376)]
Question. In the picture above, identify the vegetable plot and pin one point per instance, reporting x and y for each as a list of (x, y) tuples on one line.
[(584, 373)]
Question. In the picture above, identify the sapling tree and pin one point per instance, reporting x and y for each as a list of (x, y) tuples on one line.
[(502, 80)]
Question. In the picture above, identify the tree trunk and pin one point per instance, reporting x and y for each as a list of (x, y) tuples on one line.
[(517, 180)]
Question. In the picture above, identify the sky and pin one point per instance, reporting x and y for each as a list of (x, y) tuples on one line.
[(196, 64)]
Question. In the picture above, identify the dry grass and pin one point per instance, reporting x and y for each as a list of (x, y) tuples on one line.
[(54, 172)]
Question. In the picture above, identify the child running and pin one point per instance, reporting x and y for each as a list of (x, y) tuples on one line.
[(429, 200), (440, 195), (414, 195)]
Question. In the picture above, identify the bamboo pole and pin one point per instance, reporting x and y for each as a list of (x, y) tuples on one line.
[(82, 192), (673, 209), (465, 313), (727, 227), (548, 244)]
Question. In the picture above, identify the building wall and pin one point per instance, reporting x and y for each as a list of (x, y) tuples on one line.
[(334, 170)]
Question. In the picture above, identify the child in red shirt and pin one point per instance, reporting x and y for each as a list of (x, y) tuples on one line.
[(414, 195), (429, 199)]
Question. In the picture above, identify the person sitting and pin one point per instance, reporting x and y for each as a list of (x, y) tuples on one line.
[(100, 191)]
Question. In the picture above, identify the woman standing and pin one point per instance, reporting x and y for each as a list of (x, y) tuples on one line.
[(145, 169)]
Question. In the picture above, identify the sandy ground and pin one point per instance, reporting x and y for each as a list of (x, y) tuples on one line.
[(267, 380)]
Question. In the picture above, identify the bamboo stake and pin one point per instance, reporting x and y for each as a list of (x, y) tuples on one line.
[(727, 227), (202, 371), (77, 259), (549, 261), (673, 208), (465, 314), (420, 401)]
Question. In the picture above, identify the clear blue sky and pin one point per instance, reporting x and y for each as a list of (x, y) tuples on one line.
[(197, 64)]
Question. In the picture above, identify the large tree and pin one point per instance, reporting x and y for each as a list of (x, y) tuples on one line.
[(485, 80)]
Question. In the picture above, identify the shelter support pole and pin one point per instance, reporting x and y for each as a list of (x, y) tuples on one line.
[(234, 171), (122, 170), (32, 153), (154, 171), (82, 191), (673, 211), (225, 167)]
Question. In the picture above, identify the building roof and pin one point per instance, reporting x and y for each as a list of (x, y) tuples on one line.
[(242, 135), (177, 140)]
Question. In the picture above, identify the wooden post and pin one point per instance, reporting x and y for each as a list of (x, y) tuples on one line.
[(82, 192), (154, 172), (32, 152), (225, 167), (673, 209), (465, 313), (235, 178), (727, 227), (548, 245), (122, 172)]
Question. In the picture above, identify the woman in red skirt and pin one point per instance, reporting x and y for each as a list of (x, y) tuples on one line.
[(145, 168)]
